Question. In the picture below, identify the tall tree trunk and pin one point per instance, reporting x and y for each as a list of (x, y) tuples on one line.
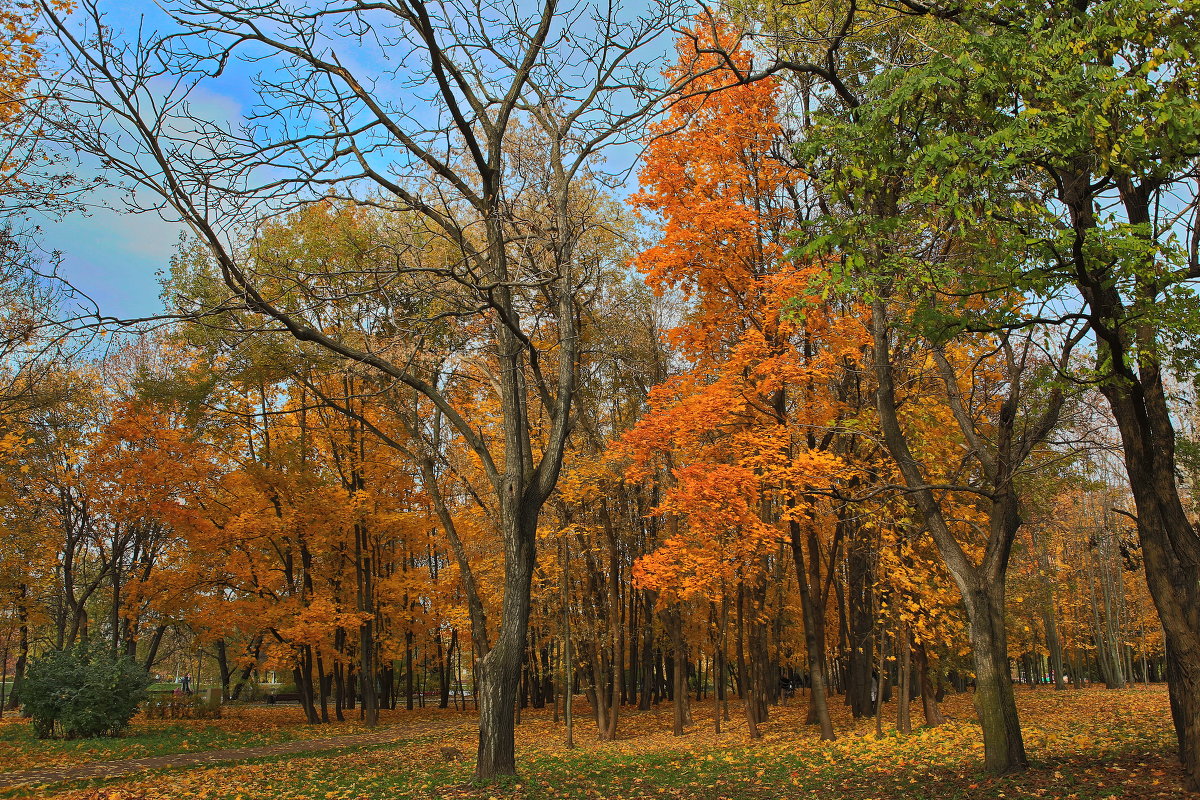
[(1128, 353), (324, 684), (1049, 612), (223, 668), (568, 656), (861, 579), (812, 629), (646, 669), (673, 618), (408, 670), (302, 675), (364, 573), (904, 701)]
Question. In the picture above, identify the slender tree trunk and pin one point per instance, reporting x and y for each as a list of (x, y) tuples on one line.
[(365, 575), (568, 656), (816, 665), (674, 620), (904, 701), (408, 670), (745, 683), (323, 685), (646, 670), (862, 624), (152, 650), (929, 702)]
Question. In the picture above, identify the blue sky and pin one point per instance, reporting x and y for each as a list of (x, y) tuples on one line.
[(109, 254), (114, 256)]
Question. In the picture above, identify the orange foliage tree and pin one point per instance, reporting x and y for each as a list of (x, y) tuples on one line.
[(741, 437)]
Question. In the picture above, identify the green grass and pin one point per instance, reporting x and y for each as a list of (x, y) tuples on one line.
[(19, 750)]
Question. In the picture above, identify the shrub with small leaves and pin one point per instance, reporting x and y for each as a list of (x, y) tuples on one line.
[(83, 692)]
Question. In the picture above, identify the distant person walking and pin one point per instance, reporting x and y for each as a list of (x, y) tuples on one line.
[(187, 683)]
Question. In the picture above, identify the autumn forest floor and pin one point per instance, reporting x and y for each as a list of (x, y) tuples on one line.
[(1085, 744)]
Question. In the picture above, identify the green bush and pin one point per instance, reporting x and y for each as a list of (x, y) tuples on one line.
[(82, 692)]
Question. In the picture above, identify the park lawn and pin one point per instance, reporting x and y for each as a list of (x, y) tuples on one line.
[(1084, 745), (240, 726)]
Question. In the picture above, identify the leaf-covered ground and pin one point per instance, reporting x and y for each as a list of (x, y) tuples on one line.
[(246, 726), (1084, 744)]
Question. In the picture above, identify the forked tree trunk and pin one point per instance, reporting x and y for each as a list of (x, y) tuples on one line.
[(981, 585), (302, 675)]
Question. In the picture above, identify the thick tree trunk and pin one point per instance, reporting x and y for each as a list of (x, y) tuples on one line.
[(1171, 548), (498, 676), (1003, 745), (499, 671), (223, 668), (1173, 582), (1128, 352), (302, 675)]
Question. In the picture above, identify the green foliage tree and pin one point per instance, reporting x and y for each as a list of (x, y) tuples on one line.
[(1059, 146)]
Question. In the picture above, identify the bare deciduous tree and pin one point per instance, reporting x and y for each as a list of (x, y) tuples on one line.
[(415, 108)]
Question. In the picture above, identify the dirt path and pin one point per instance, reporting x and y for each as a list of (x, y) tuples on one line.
[(114, 769)]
